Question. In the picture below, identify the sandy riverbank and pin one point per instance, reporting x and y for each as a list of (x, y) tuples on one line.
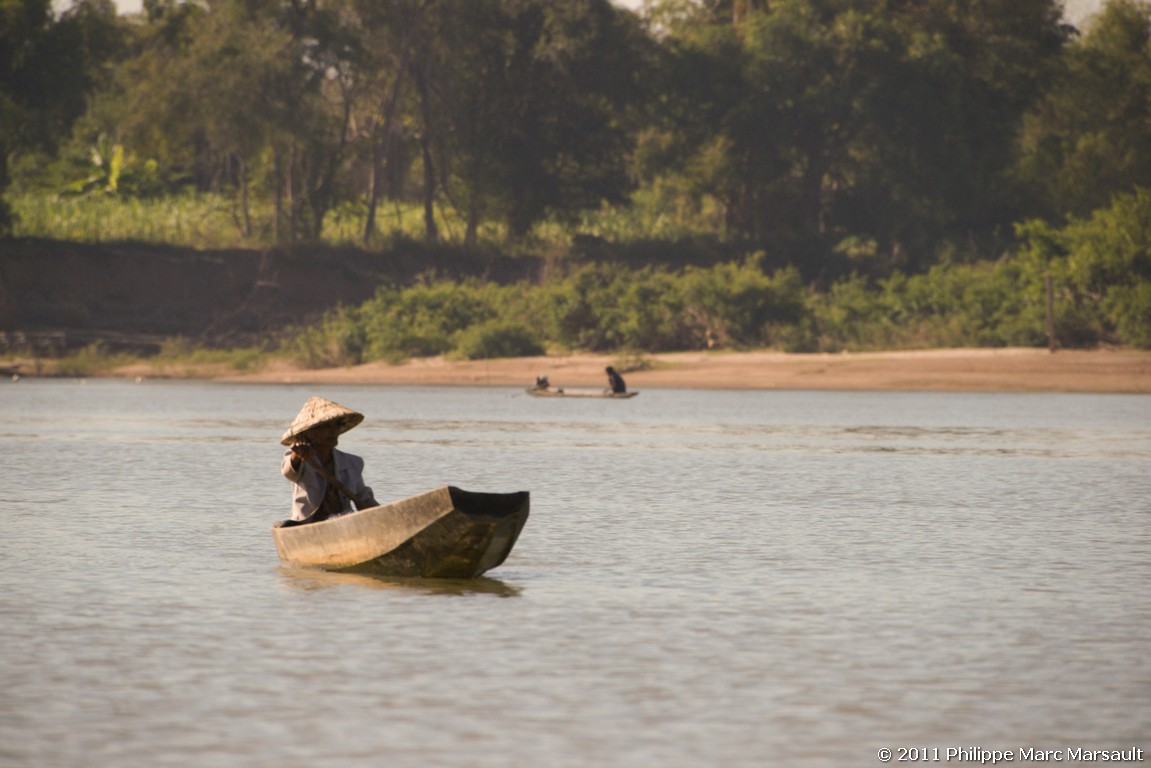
[(990, 370)]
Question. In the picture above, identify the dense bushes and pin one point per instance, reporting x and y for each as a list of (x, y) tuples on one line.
[(1100, 269), (983, 304), (608, 308), (1108, 266), (604, 308)]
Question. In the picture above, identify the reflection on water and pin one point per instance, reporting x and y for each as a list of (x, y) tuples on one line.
[(313, 580), (707, 579)]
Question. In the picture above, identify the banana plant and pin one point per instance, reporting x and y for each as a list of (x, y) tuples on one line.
[(108, 161)]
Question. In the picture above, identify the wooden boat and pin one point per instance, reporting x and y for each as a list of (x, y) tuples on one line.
[(561, 392), (445, 533)]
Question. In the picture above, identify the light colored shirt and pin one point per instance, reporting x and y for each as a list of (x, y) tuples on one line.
[(308, 487)]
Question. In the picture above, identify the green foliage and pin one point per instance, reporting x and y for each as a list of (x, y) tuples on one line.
[(203, 221), (1102, 265), (796, 124), (112, 172), (738, 305), (608, 307), (433, 317), (529, 106), (497, 338), (49, 67), (1130, 310), (823, 120), (831, 134), (339, 340), (1087, 138), (1100, 268), (605, 308), (424, 319)]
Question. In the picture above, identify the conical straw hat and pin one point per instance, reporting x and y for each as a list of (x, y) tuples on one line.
[(319, 411)]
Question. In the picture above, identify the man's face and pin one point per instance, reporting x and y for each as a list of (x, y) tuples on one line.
[(324, 435)]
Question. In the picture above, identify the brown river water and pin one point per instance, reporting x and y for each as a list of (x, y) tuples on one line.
[(708, 578)]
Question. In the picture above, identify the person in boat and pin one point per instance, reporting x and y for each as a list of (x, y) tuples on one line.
[(615, 381), (542, 382), (326, 482)]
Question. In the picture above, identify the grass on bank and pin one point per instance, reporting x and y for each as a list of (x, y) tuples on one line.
[(215, 221), (177, 358)]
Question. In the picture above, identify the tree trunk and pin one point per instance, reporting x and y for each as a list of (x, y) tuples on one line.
[(431, 231), (290, 191), (245, 200), (382, 151), (472, 233), (373, 194)]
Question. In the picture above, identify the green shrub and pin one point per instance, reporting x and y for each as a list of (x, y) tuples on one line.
[(738, 305), (1101, 267), (497, 338), (422, 320), (1130, 309)]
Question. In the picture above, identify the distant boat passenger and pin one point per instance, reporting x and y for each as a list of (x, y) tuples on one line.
[(615, 381)]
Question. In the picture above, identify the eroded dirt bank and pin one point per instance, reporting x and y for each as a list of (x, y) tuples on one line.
[(60, 294)]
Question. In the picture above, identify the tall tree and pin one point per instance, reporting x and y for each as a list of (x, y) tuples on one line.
[(530, 101), (393, 31), (48, 68), (892, 121), (1089, 139), (241, 91)]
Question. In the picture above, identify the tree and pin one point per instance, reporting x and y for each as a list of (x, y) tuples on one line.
[(527, 103), (1102, 267), (392, 32), (891, 121), (1089, 138), (48, 68), (944, 121), (240, 91)]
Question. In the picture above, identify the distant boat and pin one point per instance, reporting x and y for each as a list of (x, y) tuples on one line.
[(445, 533), (561, 392)]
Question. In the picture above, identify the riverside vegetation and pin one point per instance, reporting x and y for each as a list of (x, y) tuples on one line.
[(1099, 266), (1096, 263), (802, 174)]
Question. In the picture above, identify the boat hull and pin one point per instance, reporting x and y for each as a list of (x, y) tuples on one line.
[(444, 533), (554, 392)]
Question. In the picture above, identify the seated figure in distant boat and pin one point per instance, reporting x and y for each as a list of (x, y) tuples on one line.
[(542, 382), (615, 381), (326, 482)]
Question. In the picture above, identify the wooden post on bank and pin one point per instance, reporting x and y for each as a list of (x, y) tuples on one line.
[(1050, 312)]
